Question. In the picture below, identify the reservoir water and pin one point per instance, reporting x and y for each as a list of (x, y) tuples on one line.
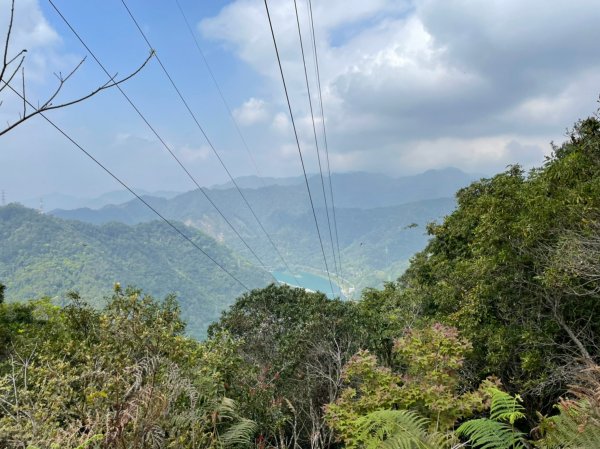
[(308, 281)]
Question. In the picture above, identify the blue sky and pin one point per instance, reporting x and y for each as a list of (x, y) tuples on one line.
[(408, 86)]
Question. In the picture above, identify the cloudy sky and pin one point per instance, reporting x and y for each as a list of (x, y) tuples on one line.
[(407, 86)]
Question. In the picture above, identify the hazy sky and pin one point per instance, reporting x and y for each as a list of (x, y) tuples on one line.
[(407, 85)]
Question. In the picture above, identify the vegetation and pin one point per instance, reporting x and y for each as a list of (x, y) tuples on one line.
[(41, 253), (120, 377), (489, 340), (376, 243)]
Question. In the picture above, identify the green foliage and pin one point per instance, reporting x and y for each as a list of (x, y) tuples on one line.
[(44, 255), (577, 426), (290, 346), (489, 434), (397, 429), (490, 269), (497, 432), (120, 377), (427, 384)]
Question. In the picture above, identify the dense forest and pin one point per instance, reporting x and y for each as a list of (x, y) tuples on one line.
[(41, 253), (488, 340)]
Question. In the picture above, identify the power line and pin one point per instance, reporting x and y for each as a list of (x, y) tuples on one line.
[(214, 79), (225, 103), (116, 178), (312, 115), (216, 153), (200, 188), (287, 97), (318, 74)]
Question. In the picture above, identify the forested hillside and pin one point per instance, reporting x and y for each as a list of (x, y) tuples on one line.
[(44, 255), (374, 213), (489, 340)]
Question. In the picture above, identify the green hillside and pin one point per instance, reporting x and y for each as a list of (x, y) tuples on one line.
[(45, 255), (375, 242), (488, 340)]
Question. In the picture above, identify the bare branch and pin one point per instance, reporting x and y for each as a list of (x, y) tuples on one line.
[(27, 113), (15, 71), (10, 25), (48, 106)]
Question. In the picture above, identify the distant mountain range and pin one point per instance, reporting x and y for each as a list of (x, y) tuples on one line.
[(381, 223), (45, 255), (62, 201), (370, 190), (372, 212)]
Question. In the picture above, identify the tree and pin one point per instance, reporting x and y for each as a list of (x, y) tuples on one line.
[(2, 288), (292, 345), (121, 377), (12, 66), (427, 384), (513, 268)]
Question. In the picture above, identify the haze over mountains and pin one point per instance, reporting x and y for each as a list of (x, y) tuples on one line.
[(381, 224), (62, 201), (372, 212)]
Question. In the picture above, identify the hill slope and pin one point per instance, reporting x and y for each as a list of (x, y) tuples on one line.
[(41, 254), (372, 211)]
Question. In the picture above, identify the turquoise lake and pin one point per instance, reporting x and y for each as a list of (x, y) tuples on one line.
[(308, 281)]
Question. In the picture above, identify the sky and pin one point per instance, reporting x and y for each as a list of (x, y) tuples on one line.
[(408, 85)]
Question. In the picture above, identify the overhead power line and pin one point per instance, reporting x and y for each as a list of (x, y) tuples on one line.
[(210, 144), (218, 87), (245, 144), (287, 97), (116, 178), (162, 141), (312, 115), (318, 75)]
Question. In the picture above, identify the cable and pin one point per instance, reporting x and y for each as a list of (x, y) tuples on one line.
[(212, 75), (287, 97), (161, 140), (207, 65), (315, 136), (216, 153), (130, 189), (314, 42)]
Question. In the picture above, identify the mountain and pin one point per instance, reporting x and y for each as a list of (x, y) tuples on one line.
[(256, 182), (45, 255), (372, 211), (287, 195), (62, 201)]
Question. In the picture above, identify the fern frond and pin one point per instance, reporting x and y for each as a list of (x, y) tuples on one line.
[(575, 428), (397, 429), (239, 434), (486, 433), (505, 407)]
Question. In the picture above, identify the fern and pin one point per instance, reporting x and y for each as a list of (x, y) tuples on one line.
[(575, 427), (486, 433), (505, 408), (578, 424), (397, 429), (498, 431), (239, 434)]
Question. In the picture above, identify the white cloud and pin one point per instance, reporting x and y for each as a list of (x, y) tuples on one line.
[(251, 112), (192, 154), (30, 30), (439, 81), (281, 123)]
